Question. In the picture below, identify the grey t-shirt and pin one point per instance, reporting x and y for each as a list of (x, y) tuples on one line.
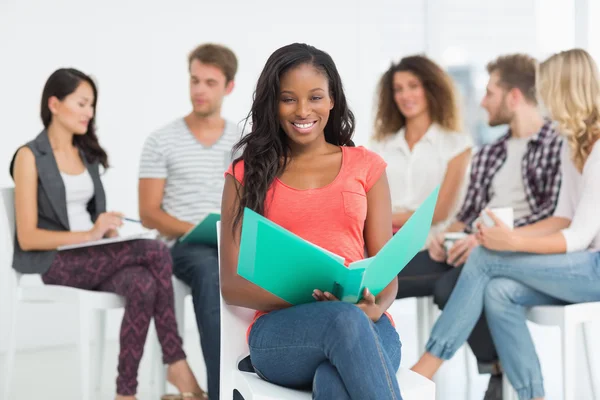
[(194, 174), (507, 186)]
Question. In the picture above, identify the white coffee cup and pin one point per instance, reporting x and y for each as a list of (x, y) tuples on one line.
[(452, 237), (504, 214)]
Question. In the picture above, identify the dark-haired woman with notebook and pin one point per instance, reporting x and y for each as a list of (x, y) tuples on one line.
[(60, 201)]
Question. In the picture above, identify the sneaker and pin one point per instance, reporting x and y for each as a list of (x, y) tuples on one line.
[(494, 390)]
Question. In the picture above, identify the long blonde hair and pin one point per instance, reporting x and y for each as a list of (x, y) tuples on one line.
[(439, 90), (569, 86)]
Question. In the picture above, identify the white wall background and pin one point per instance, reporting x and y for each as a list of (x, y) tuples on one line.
[(137, 52)]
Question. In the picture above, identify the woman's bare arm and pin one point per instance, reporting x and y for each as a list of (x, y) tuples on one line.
[(30, 237), (235, 289), (378, 231)]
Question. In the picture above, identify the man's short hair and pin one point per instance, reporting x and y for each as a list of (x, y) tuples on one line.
[(217, 55), (516, 71)]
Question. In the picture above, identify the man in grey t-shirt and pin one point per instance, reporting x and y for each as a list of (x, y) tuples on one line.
[(181, 181)]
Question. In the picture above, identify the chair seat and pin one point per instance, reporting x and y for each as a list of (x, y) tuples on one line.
[(65, 294), (248, 382), (181, 288), (554, 315), (412, 385)]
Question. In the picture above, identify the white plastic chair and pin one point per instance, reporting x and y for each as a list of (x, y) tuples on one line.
[(426, 316), (568, 319), (91, 307), (181, 291), (235, 322)]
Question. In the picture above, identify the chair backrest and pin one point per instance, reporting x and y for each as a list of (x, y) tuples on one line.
[(7, 223), (234, 324), (7, 230)]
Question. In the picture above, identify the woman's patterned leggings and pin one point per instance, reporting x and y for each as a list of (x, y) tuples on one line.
[(140, 271)]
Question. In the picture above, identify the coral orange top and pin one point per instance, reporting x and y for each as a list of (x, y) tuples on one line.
[(333, 216)]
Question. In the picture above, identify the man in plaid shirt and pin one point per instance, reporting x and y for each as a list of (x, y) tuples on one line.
[(520, 170)]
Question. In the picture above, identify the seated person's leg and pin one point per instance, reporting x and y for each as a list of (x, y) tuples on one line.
[(505, 300), (418, 278), (139, 288), (480, 339), (545, 273), (198, 266), (328, 384), (289, 346)]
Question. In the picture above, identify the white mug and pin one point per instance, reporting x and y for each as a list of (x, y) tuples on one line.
[(452, 237), (504, 214)]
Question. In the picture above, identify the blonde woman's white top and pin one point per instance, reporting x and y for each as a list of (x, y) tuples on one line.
[(579, 199), (412, 175)]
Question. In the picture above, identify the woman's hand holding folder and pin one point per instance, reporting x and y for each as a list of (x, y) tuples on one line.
[(368, 303)]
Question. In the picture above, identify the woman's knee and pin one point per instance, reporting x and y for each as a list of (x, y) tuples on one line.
[(500, 294), (479, 259), (348, 322), (158, 254), (157, 246)]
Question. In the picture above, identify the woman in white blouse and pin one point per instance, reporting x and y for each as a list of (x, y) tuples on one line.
[(417, 132), (555, 261)]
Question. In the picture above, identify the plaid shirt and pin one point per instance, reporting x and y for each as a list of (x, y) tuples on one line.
[(540, 170)]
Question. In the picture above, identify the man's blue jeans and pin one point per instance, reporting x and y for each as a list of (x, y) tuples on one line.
[(198, 266)]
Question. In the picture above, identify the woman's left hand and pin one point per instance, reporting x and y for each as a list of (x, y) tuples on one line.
[(498, 237), (323, 296)]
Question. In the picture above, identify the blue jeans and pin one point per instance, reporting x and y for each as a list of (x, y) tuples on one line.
[(508, 283), (331, 346), (198, 266)]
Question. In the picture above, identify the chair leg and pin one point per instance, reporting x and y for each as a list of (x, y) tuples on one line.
[(180, 313), (590, 362), (429, 318), (468, 372), (569, 347), (508, 393), (154, 348), (422, 322), (9, 362), (84, 350), (432, 314), (98, 358)]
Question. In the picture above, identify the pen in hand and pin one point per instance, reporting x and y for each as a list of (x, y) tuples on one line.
[(131, 220)]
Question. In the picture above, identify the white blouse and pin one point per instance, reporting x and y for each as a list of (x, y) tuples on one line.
[(413, 175), (579, 199)]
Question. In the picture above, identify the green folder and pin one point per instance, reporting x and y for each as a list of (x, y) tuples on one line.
[(291, 267), (205, 232)]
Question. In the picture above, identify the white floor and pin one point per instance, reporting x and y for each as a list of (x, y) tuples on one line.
[(52, 374)]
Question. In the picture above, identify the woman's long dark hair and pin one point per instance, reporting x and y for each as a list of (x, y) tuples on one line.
[(60, 84), (266, 150)]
